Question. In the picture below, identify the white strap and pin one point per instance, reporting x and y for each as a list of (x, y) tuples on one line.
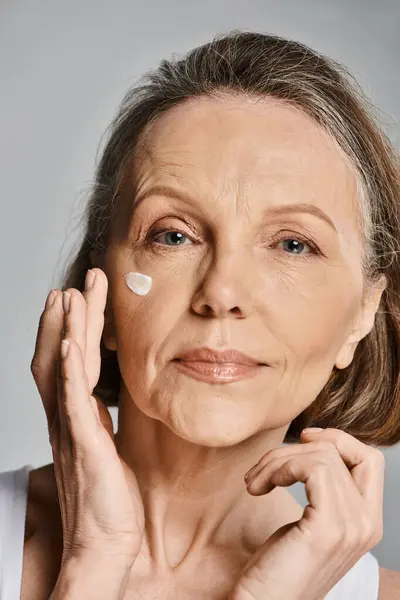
[(361, 582), (13, 503)]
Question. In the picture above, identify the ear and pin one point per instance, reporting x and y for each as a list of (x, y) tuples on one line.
[(365, 323)]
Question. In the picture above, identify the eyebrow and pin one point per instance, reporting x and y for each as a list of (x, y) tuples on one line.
[(295, 207), (303, 208)]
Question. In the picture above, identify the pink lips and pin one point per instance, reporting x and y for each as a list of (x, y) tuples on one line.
[(213, 366)]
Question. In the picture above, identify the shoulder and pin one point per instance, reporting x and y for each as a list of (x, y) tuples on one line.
[(43, 535), (389, 584)]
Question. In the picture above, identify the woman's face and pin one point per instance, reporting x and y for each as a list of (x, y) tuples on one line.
[(245, 217)]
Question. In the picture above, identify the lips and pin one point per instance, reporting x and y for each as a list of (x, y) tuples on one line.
[(217, 356), (214, 366)]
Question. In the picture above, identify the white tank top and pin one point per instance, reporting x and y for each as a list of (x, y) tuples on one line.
[(360, 583)]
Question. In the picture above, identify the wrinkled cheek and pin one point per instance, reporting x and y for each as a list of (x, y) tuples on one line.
[(143, 330), (136, 343), (310, 330), (314, 318)]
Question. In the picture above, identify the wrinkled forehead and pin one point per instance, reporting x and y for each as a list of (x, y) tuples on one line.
[(220, 141), (260, 152)]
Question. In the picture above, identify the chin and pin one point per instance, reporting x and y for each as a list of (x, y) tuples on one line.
[(213, 422)]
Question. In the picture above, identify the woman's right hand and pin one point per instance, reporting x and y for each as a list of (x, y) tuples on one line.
[(101, 507)]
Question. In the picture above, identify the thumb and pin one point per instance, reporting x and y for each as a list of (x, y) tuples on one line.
[(273, 539)]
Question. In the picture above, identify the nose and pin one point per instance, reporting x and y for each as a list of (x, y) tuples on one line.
[(224, 290)]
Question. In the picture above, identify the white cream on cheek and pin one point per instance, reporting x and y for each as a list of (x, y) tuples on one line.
[(137, 282)]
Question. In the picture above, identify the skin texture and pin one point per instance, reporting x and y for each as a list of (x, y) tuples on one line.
[(234, 286), (235, 282)]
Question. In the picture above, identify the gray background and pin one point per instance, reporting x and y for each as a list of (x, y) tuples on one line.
[(64, 67)]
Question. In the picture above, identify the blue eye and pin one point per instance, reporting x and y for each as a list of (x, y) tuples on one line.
[(296, 245), (171, 238)]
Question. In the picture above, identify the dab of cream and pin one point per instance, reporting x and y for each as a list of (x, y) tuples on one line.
[(138, 283)]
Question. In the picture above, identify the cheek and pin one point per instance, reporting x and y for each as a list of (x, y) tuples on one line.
[(309, 326), (312, 318), (145, 325)]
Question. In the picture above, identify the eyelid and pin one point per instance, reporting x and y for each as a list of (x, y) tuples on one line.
[(192, 226)]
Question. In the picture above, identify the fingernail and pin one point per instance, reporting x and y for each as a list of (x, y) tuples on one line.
[(50, 299), (66, 301), (64, 348), (247, 476), (90, 277), (312, 430)]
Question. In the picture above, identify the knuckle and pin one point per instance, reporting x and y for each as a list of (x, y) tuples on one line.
[(368, 527), (291, 468), (326, 446), (36, 366), (366, 536), (365, 527)]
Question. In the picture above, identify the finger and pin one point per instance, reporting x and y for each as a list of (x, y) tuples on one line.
[(62, 439), (75, 317), (277, 452), (366, 464), (329, 488), (46, 354), (95, 296), (80, 416), (260, 480)]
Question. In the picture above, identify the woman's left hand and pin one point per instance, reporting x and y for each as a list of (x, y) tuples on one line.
[(343, 481)]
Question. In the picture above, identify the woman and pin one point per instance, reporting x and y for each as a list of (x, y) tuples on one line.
[(249, 188)]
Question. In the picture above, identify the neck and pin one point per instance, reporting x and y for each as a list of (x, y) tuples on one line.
[(194, 496)]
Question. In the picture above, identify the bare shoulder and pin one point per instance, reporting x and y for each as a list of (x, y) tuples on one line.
[(43, 535), (389, 584)]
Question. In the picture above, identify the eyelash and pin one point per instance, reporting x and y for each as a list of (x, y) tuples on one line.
[(150, 241)]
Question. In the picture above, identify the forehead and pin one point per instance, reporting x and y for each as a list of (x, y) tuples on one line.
[(250, 147)]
